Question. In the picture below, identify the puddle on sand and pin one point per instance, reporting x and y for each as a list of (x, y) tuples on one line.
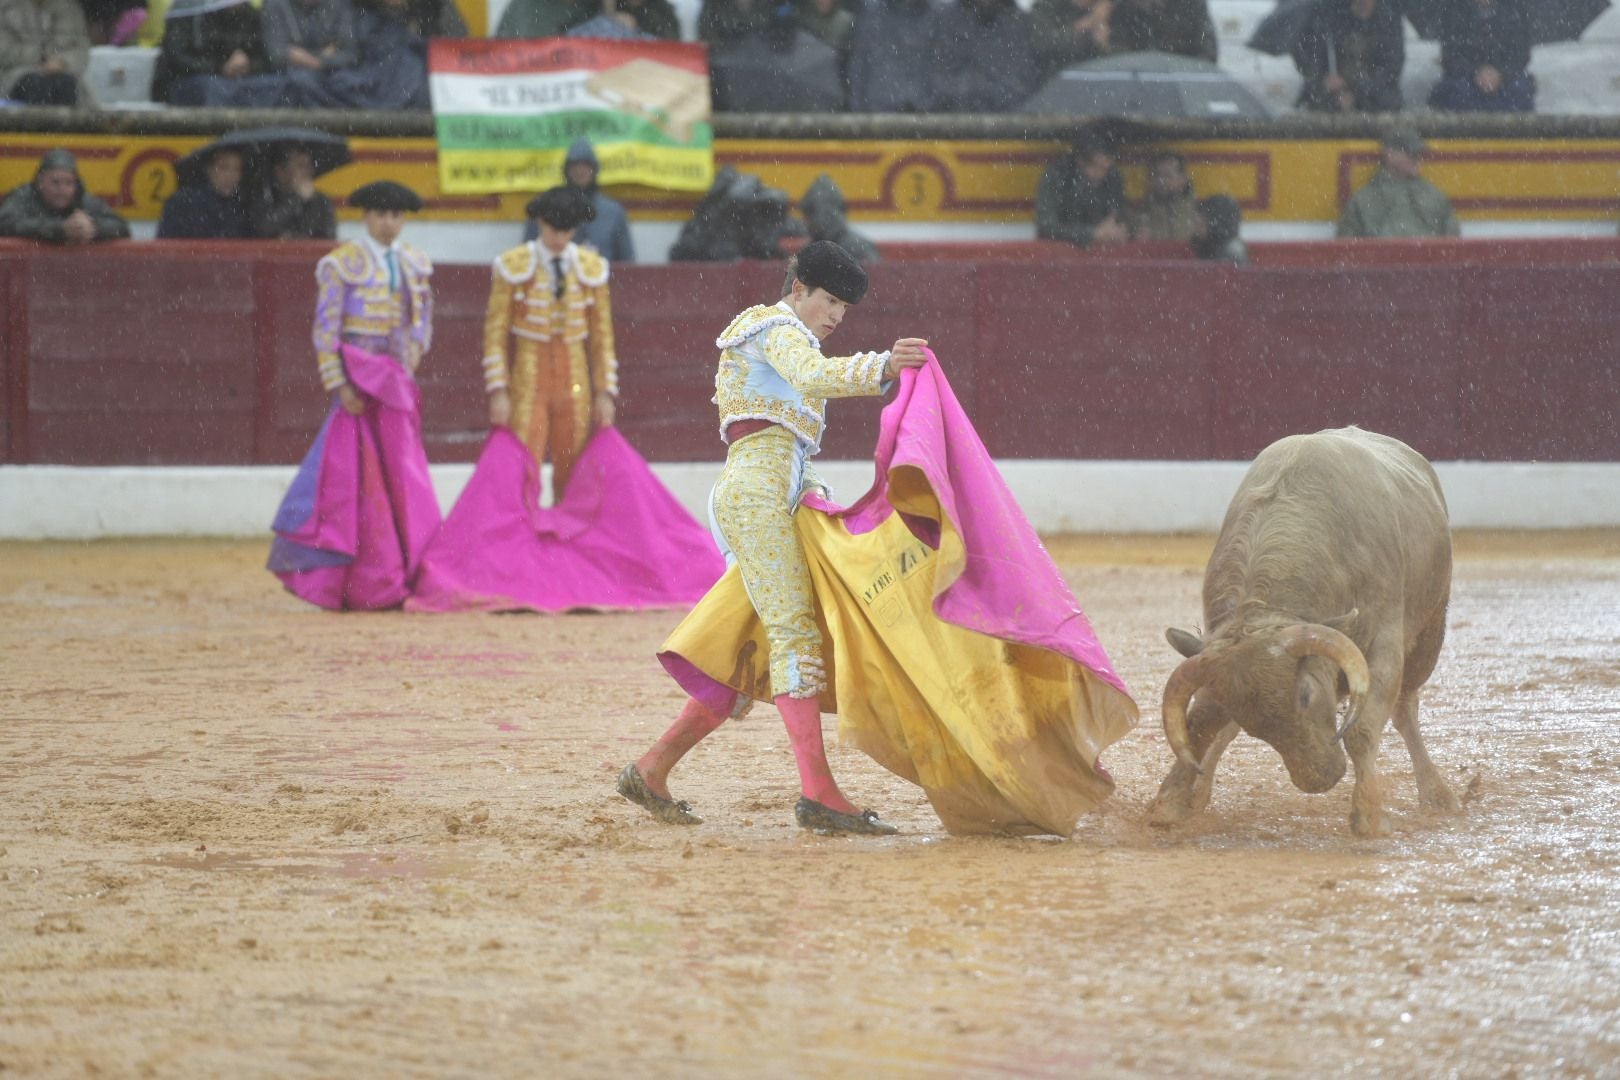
[(346, 864)]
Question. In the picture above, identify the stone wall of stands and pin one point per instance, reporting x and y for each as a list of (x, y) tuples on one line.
[(179, 353)]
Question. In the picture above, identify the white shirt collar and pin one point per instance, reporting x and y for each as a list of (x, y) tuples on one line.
[(377, 249), (545, 254)]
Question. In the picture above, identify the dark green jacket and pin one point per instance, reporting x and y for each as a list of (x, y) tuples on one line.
[(24, 214), (1391, 206)]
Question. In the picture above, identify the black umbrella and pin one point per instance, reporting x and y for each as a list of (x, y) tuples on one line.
[(1550, 20), (769, 71), (1145, 84), (1277, 32), (327, 152)]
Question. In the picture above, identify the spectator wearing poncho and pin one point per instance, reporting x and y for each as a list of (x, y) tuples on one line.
[(44, 49), (209, 47), (54, 208), (888, 72), (827, 216), (981, 57), (608, 231)]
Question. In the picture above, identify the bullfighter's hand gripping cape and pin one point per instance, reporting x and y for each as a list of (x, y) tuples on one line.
[(960, 660)]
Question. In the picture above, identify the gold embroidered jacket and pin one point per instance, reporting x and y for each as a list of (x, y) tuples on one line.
[(523, 303), (354, 303), (771, 368)]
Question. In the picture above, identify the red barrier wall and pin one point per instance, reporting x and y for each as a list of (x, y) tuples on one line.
[(198, 353)]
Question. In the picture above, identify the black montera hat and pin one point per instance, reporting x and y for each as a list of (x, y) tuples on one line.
[(385, 195), (561, 208), (822, 264)]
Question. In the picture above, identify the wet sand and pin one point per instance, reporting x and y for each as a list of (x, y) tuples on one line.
[(240, 837)]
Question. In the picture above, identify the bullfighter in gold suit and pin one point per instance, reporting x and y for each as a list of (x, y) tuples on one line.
[(549, 366)]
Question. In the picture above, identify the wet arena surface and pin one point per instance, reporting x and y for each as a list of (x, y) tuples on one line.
[(243, 837)]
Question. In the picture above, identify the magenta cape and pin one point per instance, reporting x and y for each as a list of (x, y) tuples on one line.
[(959, 658), (618, 540), (361, 509)]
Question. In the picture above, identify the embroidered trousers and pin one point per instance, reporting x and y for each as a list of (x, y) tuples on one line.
[(752, 509), (551, 404)]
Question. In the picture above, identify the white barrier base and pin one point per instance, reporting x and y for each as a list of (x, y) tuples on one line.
[(57, 502)]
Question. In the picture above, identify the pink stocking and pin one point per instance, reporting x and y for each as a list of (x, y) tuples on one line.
[(695, 722), (802, 716)]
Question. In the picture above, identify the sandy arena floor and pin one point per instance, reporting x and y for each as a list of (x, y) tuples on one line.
[(240, 837)]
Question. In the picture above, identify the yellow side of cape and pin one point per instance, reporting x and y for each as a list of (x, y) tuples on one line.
[(1003, 737)]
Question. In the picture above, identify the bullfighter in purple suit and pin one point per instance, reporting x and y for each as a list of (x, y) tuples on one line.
[(351, 529)]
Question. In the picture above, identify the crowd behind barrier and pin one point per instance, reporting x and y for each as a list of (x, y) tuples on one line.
[(260, 183), (886, 56), (171, 353)]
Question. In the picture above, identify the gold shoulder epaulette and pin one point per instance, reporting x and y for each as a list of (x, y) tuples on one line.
[(591, 266), (416, 259), (516, 265), (350, 261)]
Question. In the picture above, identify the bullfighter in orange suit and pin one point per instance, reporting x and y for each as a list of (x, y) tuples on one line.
[(549, 366)]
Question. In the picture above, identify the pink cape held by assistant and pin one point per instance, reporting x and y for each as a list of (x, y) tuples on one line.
[(960, 659), (618, 540), (361, 509)]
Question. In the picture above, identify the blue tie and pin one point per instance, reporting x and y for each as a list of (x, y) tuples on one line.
[(393, 271)]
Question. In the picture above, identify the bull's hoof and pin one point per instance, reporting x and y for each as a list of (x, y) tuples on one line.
[(1369, 825), (1439, 799), (1166, 811)]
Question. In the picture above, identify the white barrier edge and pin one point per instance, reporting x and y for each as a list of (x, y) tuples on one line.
[(56, 502)]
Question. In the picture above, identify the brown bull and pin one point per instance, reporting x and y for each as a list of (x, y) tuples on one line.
[(1330, 579)]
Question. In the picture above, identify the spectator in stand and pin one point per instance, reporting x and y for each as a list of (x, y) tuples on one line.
[(725, 22), (654, 17), (390, 71), (608, 232), (54, 208), (285, 205), (44, 49), (313, 36), (1350, 54), (1069, 32), (203, 45), (982, 60), (1182, 27), (888, 72), (210, 209), (544, 18), (826, 20), (739, 218), (1484, 57), (1397, 201), (420, 19), (1215, 231), (827, 216), (1169, 210), (1081, 198)]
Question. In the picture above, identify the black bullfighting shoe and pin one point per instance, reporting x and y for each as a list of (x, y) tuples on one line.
[(669, 811), (829, 822)]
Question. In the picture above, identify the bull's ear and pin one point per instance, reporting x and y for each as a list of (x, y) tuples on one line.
[(1184, 642), (1342, 623)]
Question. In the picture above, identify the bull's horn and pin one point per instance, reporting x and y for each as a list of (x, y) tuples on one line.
[(1178, 692), (1317, 640)]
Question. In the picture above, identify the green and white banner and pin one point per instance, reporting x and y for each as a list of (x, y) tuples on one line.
[(506, 112)]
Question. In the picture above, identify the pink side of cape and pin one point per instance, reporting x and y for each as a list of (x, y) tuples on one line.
[(618, 540), (374, 508), (1009, 587)]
